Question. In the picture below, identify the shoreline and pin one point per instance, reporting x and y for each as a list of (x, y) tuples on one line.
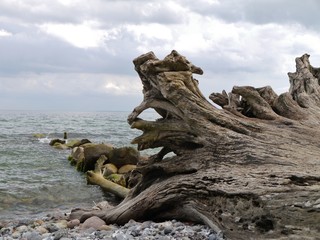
[(58, 225)]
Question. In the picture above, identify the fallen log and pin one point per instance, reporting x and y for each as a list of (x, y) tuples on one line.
[(96, 178), (250, 170)]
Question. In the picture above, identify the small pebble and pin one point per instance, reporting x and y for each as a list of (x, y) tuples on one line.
[(51, 228), (73, 223), (106, 228), (93, 222)]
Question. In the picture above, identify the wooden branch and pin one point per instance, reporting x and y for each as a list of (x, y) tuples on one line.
[(220, 99), (258, 106), (96, 178)]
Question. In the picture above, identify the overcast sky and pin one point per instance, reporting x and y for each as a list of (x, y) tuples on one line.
[(77, 54)]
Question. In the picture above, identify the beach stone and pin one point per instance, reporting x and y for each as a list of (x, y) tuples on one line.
[(213, 237), (81, 142), (197, 228), (54, 141), (130, 223), (31, 236), (109, 169), (106, 228), (103, 234), (62, 224), (71, 142), (92, 153), (93, 222), (23, 222), (121, 236), (22, 228), (185, 238), (167, 230), (16, 234), (134, 229), (164, 238), (6, 231), (76, 213), (56, 215), (126, 168), (77, 155), (60, 146), (149, 232), (60, 234), (146, 224), (124, 155), (73, 223), (38, 222), (166, 226), (41, 230), (51, 227)]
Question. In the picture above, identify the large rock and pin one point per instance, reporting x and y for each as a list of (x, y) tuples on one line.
[(77, 157), (92, 152), (123, 156)]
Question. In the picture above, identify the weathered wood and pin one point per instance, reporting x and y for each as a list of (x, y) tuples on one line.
[(250, 170), (96, 178)]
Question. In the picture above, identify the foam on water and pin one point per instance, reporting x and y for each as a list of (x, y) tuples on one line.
[(44, 140)]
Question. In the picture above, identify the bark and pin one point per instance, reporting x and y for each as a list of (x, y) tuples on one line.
[(249, 170)]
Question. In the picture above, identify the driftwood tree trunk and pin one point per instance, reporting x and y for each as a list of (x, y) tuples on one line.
[(250, 170)]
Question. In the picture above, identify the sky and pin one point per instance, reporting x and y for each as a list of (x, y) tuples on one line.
[(76, 55)]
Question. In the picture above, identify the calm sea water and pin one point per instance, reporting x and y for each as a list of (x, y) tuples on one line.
[(35, 178)]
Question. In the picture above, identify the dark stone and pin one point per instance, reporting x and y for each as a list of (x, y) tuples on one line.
[(54, 141), (81, 142), (92, 154), (123, 156)]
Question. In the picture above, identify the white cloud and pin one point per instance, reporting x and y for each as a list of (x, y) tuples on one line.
[(85, 35), (69, 2), (123, 86), (4, 33), (153, 31)]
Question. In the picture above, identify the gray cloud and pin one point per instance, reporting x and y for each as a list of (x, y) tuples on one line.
[(236, 42), (108, 12), (262, 11)]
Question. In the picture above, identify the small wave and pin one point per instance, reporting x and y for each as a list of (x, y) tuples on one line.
[(44, 140)]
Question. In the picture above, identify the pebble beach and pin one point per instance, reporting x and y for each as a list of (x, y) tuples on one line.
[(57, 226)]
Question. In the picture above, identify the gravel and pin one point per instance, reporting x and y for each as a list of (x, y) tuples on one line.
[(59, 228), (168, 230)]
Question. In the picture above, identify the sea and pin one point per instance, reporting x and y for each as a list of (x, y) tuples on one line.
[(37, 179)]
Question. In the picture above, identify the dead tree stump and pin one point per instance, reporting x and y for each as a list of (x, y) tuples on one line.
[(250, 170)]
